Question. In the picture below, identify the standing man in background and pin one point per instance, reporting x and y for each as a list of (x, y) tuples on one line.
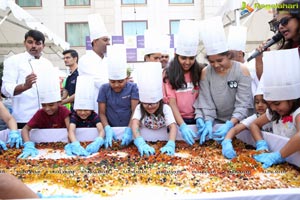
[(94, 63), (71, 61), (20, 75)]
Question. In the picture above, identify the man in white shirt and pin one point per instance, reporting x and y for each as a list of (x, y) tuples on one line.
[(19, 77)]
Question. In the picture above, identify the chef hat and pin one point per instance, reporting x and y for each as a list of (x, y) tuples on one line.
[(259, 90), (96, 26), (165, 44), (153, 41), (281, 75), (213, 36), (149, 78), (116, 61), (187, 38), (48, 83), (237, 37), (84, 93)]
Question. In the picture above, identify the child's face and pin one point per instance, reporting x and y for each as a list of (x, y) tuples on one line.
[(50, 108), (83, 114), (219, 62), (281, 107), (260, 104), (186, 62), (117, 85), (151, 108)]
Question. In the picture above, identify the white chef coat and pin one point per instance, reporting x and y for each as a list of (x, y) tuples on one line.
[(92, 64), (16, 68)]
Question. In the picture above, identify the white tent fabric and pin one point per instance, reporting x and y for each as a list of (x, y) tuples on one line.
[(24, 20)]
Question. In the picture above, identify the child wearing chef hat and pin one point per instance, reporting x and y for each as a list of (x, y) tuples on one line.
[(281, 92), (118, 98), (84, 116), (52, 114), (152, 113)]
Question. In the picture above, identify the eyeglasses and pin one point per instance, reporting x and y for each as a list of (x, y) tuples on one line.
[(283, 21), (150, 104), (232, 84)]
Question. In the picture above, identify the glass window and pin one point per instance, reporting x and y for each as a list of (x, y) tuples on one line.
[(76, 33), (29, 3), (181, 1), (134, 27), (174, 25), (134, 2), (77, 2)]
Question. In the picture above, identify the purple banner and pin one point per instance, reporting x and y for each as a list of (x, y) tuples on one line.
[(140, 41), (117, 39), (88, 43), (131, 55), (172, 41)]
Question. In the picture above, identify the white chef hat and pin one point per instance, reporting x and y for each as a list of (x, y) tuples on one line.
[(259, 90), (213, 36), (187, 38), (117, 62), (237, 37), (48, 82), (149, 78), (152, 41), (84, 93), (165, 44), (96, 26), (281, 75)]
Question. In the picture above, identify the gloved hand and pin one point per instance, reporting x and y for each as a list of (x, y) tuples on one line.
[(206, 132), (109, 136), (75, 148), (187, 134), (57, 196), (261, 145), (200, 124), (269, 159), (143, 147), (14, 137), (222, 131), (227, 149), (95, 145), (169, 148), (2, 145), (29, 150), (127, 136)]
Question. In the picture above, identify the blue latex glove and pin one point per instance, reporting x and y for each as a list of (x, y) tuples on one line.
[(143, 147), (76, 149), (187, 134), (14, 137), (109, 136), (200, 124), (2, 145), (57, 196), (29, 150), (269, 159), (261, 145), (127, 136), (227, 149), (169, 148), (222, 131), (207, 131), (95, 145)]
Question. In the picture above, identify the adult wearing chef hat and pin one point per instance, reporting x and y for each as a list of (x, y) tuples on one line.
[(94, 63), (52, 114), (225, 95), (281, 91), (181, 79), (84, 116), (152, 113), (237, 37), (118, 98), (152, 41)]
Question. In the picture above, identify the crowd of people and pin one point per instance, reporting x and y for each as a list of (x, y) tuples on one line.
[(98, 92)]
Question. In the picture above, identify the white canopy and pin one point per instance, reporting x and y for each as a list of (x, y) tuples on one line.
[(15, 22)]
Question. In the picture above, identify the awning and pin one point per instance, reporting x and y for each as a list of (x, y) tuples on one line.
[(15, 22)]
